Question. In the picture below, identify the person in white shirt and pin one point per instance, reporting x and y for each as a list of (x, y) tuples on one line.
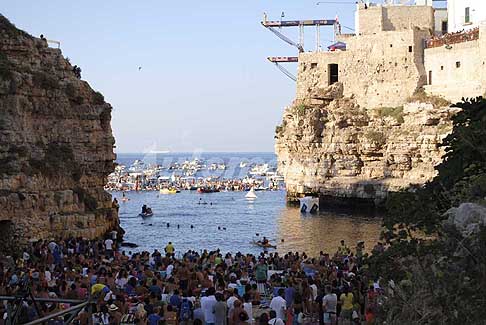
[(109, 247), (329, 306), (168, 271), (231, 301), (247, 306), (207, 305), (279, 305), (274, 319)]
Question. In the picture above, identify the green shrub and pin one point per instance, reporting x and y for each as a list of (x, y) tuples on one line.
[(395, 112), (98, 98), (45, 80), (300, 109), (58, 159), (7, 27), (5, 67), (90, 203), (376, 137), (422, 97), (71, 91)]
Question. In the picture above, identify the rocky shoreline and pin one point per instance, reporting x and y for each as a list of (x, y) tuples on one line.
[(329, 146)]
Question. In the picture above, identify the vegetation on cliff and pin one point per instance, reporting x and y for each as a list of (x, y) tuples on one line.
[(438, 273)]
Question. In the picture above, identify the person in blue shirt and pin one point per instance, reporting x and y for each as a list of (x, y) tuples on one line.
[(154, 288), (175, 299), (155, 317)]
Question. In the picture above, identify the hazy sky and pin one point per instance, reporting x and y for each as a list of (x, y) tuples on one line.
[(205, 83)]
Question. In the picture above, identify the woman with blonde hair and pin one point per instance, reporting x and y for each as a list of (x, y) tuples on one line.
[(141, 315)]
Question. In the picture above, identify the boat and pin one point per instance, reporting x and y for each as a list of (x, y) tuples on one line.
[(146, 214), (261, 188), (168, 191), (207, 190), (251, 194)]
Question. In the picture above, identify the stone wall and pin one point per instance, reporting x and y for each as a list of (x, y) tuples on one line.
[(382, 69), (328, 145), (457, 70), (56, 145), (376, 19)]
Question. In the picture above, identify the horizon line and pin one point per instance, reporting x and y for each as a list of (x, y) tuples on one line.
[(172, 152)]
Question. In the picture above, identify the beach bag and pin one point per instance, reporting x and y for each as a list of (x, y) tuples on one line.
[(185, 310)]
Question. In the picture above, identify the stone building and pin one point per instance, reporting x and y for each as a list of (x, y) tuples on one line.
[(456, 65), (465, 14), (370, 119), (387, 60)]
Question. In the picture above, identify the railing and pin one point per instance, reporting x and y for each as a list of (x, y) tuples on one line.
[(452, 38)]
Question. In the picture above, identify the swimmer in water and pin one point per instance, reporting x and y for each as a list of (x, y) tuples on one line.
[(168, 225)]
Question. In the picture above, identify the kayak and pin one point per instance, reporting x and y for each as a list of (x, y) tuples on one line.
[(260, 244), (145, 215)]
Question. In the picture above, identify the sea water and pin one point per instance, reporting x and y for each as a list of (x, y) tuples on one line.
[(230, 222)]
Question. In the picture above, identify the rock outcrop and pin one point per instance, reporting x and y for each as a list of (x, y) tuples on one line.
[(56, 145), (329, 146), (468, 218)]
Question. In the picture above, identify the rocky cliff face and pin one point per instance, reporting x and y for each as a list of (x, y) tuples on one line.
[(329, 146), (56, 145)]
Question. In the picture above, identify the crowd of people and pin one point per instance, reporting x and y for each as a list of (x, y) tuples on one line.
[(206, 287), (453, 38)]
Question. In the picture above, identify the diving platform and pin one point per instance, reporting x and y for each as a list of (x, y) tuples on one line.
[(283, 59), (296, 23)]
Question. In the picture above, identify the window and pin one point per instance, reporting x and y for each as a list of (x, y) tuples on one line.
[(313, 65), (458, 64), (410, 49), (430, 77), (333, 71), (444, 26), (391, 45), (441, 67), (467, 18)]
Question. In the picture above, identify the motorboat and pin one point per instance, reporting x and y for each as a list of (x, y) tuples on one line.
[(207, 190), (146, 214), (168, 191)]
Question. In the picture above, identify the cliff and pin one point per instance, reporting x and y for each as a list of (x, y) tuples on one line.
[(330, 146), (56, 145)]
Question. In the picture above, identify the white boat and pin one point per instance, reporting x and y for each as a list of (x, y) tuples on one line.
[(158, 151), (259, 170), (309, 204), (251, 194)]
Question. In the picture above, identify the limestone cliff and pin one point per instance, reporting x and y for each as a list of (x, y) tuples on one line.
[(329, 146), (56, 145)]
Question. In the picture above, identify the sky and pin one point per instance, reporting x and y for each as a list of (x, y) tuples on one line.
[(204, 82)]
